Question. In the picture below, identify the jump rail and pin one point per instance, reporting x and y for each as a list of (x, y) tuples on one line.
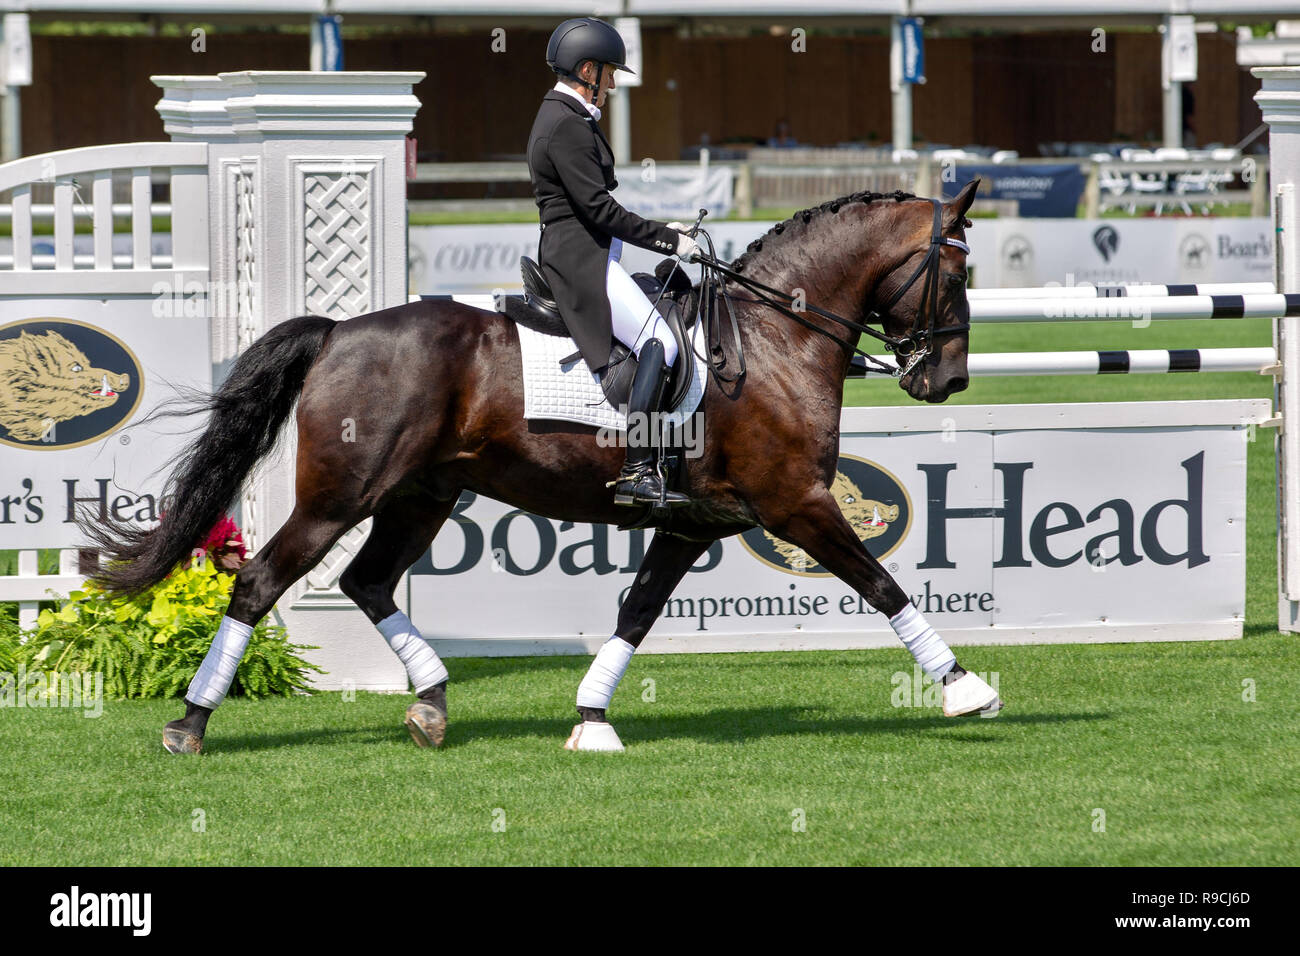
[(1252, 306), (1131, 290)]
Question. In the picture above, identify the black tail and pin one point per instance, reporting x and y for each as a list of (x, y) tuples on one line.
[(247, 412)]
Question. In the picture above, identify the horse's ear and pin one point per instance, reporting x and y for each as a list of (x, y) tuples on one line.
[(961, 204)]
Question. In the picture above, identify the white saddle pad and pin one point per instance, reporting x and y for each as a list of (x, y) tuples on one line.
[(572, 392)]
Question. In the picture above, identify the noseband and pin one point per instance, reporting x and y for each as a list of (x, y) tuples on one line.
[(912, 347)]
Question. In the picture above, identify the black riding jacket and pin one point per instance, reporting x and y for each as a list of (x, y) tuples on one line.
[(572, 169)]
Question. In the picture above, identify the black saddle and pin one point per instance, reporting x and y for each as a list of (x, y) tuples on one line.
[(537, 309)]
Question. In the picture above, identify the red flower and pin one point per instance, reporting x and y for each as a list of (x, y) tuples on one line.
[(223, 543)]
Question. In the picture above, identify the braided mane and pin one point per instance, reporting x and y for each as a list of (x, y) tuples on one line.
[(805, 215)]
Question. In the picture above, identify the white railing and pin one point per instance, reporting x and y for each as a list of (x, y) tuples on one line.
[(81, 182), (29, 587)]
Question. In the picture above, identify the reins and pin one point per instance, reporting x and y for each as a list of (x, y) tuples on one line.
[(914, 346)]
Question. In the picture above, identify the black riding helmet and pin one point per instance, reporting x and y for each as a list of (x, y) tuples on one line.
[(585, 38)]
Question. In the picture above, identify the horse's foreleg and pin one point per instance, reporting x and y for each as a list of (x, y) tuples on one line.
[(293, 551), (666, 562), (820, 529), (401, 532)]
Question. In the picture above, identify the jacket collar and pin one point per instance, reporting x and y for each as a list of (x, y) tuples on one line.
[(579, 110)]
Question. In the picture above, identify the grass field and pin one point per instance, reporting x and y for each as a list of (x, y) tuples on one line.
[(736, 750)]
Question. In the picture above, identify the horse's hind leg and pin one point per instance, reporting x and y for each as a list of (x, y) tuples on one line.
[(399, 535), (818, 526), (666, 562), (293, 551)]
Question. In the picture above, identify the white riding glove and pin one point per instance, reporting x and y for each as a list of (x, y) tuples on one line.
[(686, 246)]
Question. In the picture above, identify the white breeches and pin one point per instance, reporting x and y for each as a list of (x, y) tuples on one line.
[(635, 319)]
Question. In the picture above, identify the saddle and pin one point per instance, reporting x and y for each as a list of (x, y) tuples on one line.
[(537, 309)]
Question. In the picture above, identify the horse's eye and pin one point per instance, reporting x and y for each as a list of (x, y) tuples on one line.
[(76, 367), (849, 499)]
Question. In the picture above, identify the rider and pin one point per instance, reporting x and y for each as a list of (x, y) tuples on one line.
[(583, 231)]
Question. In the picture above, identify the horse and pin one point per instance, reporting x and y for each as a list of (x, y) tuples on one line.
[(435, 393)]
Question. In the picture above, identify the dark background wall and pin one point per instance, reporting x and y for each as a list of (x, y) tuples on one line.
[(1013, 91)]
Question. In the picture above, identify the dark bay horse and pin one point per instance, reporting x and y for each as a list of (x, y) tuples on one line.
[(435, 391)]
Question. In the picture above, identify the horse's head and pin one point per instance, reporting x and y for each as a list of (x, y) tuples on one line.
[(922, 293)]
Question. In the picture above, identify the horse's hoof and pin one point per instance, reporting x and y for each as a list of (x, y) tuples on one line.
[(427, 723), (970, 694), (178, 740), (594, 735)]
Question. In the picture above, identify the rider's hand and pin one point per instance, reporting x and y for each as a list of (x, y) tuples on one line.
[(679, 227), (687, 248)]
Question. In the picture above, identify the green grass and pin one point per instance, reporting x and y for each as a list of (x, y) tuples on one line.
[(1156, 735)]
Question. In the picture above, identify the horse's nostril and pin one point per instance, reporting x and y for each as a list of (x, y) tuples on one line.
[(957, 384)]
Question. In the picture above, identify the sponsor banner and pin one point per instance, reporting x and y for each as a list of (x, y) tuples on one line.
[(913, 39), (659, 191), (327, 43), (77, 376), (629, 29), (1005, 253), (1180, 50), (446, 260), (1044, 191), (1030, 533), (15, 50), (1012, 253)]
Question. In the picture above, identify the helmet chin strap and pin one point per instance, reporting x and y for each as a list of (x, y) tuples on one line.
[(595, 88)]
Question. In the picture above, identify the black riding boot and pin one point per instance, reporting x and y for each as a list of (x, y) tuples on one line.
[(638, 483)]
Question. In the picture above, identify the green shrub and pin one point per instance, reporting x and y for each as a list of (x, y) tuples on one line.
[(151, 645), (8, 638)]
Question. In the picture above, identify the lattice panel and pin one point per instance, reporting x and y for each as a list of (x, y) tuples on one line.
[(337, 234), (325, 576), (247, 315)]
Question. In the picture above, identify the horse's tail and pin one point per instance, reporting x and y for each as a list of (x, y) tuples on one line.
[(247, 412)]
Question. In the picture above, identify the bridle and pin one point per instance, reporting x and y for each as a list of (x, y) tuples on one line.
[(912, 347)]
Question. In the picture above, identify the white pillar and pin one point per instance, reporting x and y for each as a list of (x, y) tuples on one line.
[(621, 124), (11, 124), (1173, 91), (307, 207), (902, 92), (1279, 100)]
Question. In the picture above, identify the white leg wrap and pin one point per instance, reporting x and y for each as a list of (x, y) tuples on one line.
[(604, 674), (217, 672), (929, 649), (423, 665)]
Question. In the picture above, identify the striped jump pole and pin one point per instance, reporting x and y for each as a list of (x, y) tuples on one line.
[(1268, 305), (1128, 290), (1121, 362), (1118, 362)]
